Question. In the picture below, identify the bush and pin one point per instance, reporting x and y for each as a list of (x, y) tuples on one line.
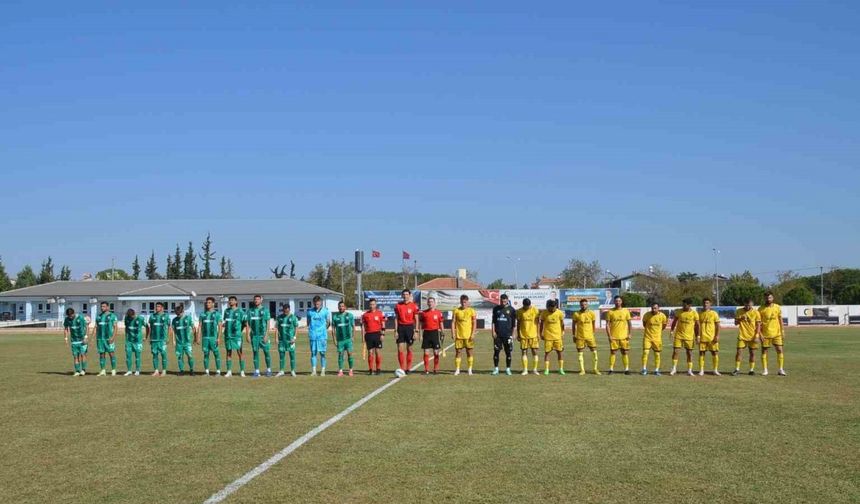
[(799, 295)]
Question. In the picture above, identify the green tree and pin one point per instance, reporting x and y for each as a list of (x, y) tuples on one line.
[(634, 299), (849, 294), (176, 273), (151, 270), (113, 274), (65, 273), (207, 255), (46, 274), (800, 295), (226, 268), (687, 277), (25, 278), (739, 288), (135, 268), (581, 274), (169, 269), (189, 263), (499, 284), (5, 282)]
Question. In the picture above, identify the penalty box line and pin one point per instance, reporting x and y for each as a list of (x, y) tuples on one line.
[(295, 445)]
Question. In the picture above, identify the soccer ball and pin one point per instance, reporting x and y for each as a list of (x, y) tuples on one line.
[(399, 373)]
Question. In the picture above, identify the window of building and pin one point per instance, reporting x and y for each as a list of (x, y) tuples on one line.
[(111, 306), (40, 307), (84, 309), (48, 308)]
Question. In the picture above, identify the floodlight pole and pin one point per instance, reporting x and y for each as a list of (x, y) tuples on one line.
[(359, 267), (822, 284), (716, 276)]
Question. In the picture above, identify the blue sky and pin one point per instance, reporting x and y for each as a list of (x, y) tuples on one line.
[(633, 133)]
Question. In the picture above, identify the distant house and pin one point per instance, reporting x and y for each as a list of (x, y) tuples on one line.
[(49, 301), (546, 282)]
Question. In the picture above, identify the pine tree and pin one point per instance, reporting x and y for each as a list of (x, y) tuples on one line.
[(46, 275), (226, 268), (207, 256), (5, 282), (65, 273), (135, 268), (189, 264), (26, 278), (177, 264), (151, 271)]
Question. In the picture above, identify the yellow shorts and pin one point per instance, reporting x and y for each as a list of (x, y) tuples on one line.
[(585, 342), (652, 344), (526, 343), (753, 343), (683, 343), (623, 344), (709, 346), (550, 345), (767, 342), (460, 344)]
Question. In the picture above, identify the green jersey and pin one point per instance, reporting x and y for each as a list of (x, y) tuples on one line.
[(258, 320), (233, 320), (287, 325), (343, 325), (158, 323), (209, 321), (77, 327), (133, 327), (105, 322), (182, 326)]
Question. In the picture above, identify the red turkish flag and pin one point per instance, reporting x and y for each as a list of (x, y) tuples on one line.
[(375, 254), (405, 255)]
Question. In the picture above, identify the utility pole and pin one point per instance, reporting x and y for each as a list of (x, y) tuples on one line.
[(342, 267), (822, 284), (716, 277), (415, 273), (112, 264), (359, 267)]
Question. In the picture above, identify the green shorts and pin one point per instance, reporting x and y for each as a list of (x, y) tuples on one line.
[(210, 345), (104, 346), (259, 343), (285, 346), (158, 347), (344, 346), (183, 349), (233, 344), (79, 348), (131, 347)]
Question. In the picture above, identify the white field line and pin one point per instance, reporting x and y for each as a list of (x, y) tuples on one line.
[(295, 445)]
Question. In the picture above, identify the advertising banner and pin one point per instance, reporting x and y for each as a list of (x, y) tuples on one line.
[(387, 299), (817, 315), (597, 298)]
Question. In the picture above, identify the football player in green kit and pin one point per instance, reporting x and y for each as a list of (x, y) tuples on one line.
[(344, 324), (75, 329), (182, 329), (258, 318), (287, 324), (105, 334), (209, 331), (134, 325), (234, 319), (156, 333)]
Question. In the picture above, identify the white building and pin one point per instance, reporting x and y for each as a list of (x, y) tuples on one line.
[(49, 301)]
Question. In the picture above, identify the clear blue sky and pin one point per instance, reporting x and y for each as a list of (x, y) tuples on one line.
[(629, 132)]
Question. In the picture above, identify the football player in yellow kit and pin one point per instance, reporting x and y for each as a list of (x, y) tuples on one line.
[(618, 330), (748, 320), (709, 337), (772, 333), (685, 325)]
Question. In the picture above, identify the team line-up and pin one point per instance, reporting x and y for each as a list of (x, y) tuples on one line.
[(528, 325)]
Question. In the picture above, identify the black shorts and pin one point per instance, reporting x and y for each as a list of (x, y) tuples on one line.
[(406, 334), (505, 343), (430, 340), (373, 340)]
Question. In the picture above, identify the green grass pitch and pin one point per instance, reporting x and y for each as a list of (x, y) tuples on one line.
[(436, 439)]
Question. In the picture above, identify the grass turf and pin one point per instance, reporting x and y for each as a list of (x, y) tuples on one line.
[(442, 438)]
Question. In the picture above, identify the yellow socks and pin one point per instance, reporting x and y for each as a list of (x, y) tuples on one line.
[(716, 358), (525, 362), (581, 361), (737, 364), (657, 357), (594, 360), (561, 364), (470, 360), (780, 359), (690, 365), (674, 362), (457, 361), (764, 360), (701, 362), (611, 362), (644, 359), (626, 360), (752, 365), (536, 363), (546, 365)]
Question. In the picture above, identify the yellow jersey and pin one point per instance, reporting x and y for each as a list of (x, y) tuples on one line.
[(653, 324), (748, 320), (583, 324), (617, 319), (685, 327), (552, 324), (708, 322), (463, 321), (527, 322), (770, 317)]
